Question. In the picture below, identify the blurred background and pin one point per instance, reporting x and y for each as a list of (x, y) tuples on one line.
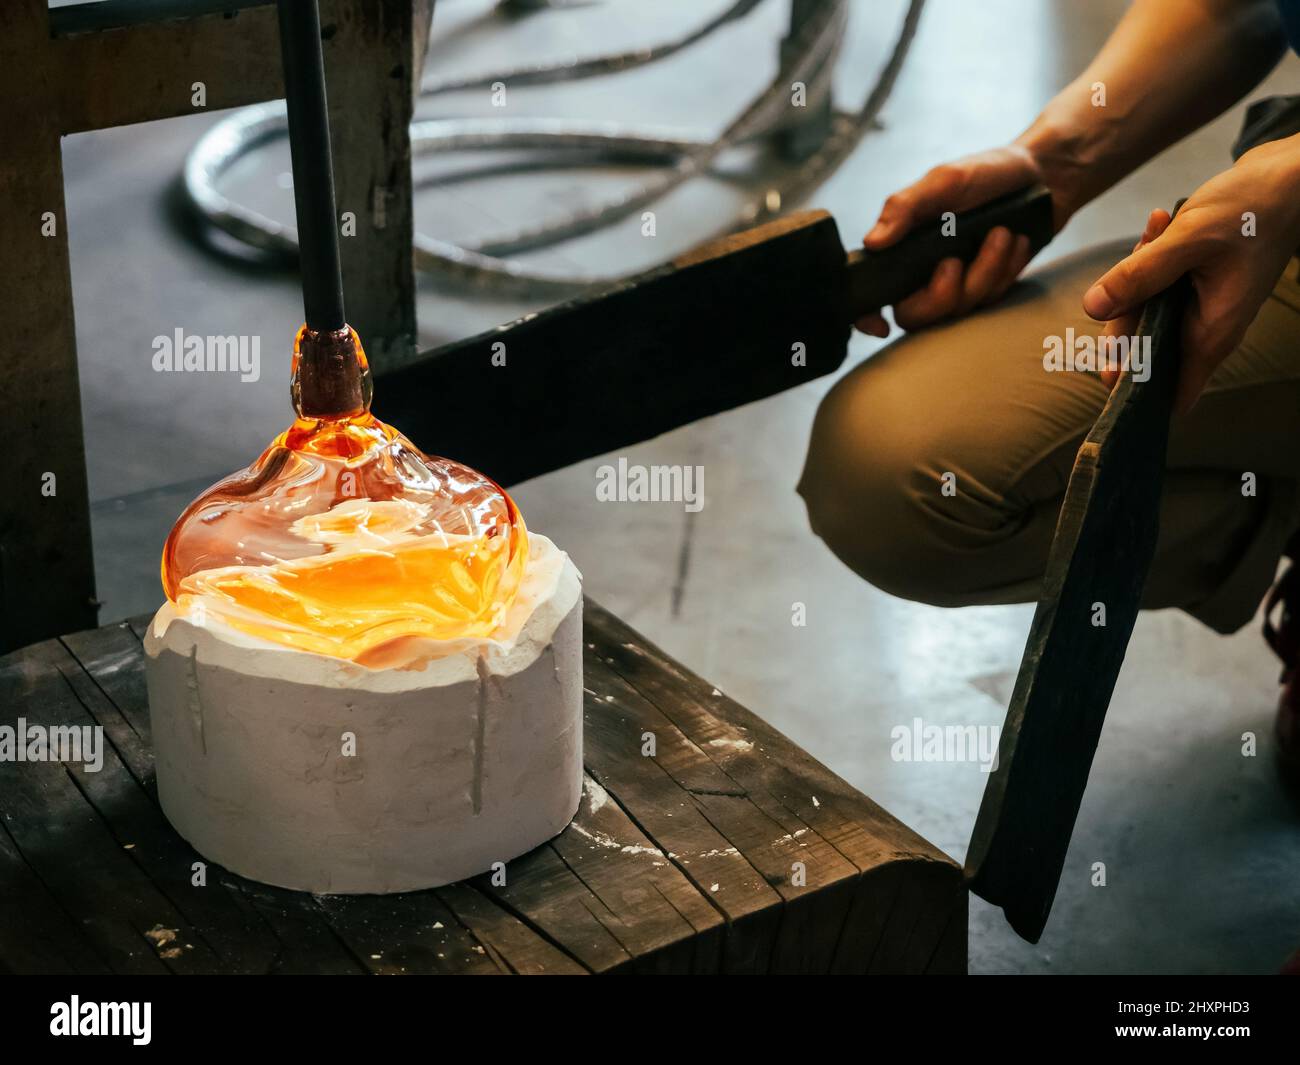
[(1200, 843)]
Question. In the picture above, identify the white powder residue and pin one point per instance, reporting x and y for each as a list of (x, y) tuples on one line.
[(597, 796), (601, 839)]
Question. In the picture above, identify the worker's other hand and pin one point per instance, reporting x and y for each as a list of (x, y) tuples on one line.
[(1232, 239), (1126, 325), (957, 287)]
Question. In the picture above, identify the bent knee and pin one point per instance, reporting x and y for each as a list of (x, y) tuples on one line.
[(875, 526), (880, 491)]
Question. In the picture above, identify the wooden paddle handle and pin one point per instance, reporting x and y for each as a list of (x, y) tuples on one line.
[(881, 278)]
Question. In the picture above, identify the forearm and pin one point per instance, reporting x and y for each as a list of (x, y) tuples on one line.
[(1169, 67)]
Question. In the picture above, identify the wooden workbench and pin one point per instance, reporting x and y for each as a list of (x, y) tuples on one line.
[(684, 861)]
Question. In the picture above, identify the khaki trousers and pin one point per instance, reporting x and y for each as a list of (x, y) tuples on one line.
[(971, 398)]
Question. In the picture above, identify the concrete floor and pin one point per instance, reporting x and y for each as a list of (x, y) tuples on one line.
[(1200, 843)]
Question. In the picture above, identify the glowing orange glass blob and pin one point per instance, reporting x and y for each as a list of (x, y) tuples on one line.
[(343, 538)]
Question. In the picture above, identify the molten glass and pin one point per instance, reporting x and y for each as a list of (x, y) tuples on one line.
[(343, 537)]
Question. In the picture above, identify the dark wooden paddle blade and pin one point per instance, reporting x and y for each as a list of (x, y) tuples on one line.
[(734, 321), (1105, 539)]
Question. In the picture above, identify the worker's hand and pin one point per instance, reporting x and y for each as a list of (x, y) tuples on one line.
[(956, 287), (1232, 238), (1126, 325)]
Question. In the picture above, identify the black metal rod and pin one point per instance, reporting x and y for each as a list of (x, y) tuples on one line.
[(313, 171)]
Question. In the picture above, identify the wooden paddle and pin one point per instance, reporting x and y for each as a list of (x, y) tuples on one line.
[(1105, 538), (728, 323)]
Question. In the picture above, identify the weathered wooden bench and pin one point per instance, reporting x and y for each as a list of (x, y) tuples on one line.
[(729, 849)]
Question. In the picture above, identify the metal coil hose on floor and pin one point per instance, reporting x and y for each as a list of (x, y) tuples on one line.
[(810, 54)]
